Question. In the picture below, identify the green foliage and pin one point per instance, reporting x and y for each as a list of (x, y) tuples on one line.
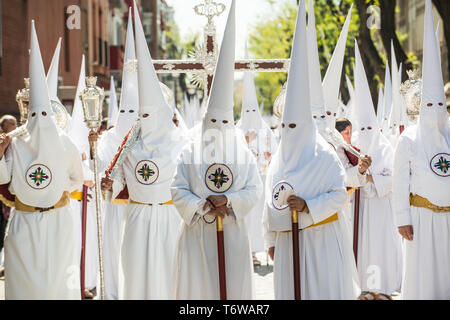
[(271, 38)]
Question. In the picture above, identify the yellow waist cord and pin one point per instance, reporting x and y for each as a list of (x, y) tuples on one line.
[(417, 201)]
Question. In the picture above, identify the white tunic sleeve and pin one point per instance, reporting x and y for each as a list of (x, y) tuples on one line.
[(75, 170), (401, 184), (328, 203), (353, 178), (6, 168), (185, 201), (243, 201), (118, 183)]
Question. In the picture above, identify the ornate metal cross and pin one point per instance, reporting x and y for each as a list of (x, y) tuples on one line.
[(204, 59)]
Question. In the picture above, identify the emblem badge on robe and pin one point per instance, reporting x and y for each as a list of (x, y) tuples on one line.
[(219, 178), (276, 194), (38, 176), (440, 164), (146, 172)]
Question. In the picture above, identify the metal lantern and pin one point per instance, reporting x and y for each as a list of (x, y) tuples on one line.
[(92, 100), (23, 100)]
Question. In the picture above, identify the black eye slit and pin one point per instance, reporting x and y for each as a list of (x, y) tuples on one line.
[(44, 113), (369, 128), (33, 114), (315, 117), (225, 121), (254, 110), (322, 117), (122, 111), (282, 125), (441, 104), (213, 120), (145, 115), (430, 105), (292, 125), (329, 113), (362, 129), (131, 111), (247, 111)]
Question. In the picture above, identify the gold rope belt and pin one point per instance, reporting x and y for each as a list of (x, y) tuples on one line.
[(334, 217), (421, 202), (151, 204), (64, 201)]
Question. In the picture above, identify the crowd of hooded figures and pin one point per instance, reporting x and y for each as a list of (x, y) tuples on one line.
[(372, 209)]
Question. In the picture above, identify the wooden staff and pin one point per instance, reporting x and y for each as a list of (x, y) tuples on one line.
[(83, 240), (296, 256), (221, 258), (356, 225)]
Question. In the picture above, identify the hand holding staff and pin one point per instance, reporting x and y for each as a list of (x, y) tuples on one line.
[(296, 204), (220, 213)]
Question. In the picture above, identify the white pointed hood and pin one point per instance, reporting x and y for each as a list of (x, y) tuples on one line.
[(129, 99), (219, 119), (433, 128), (332, 79), (387, 105), (250, 114), (297, 110), (380, 106), (220, 103), (438, 38), (370, 141), (41, 158), (52, 76), (157, 127), (315, 78), (113, 111), (395, 117), (78, 130)]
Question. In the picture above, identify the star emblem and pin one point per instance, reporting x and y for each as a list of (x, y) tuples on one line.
[(38, 176), (219, 178), (442, 164), (146, 172)]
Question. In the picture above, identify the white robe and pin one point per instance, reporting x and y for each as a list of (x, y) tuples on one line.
[(41, 260), (327, 264), (254, 219), (379, 244), (113, 217), (149, 233), (196, 274), (426, 271), (353, 179)]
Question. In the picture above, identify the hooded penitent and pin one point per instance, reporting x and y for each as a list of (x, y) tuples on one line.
[(78, 130), (129, 101), (250, 114), (113, 111), (151, 161), (303, 160), (396, 118), (433, 133), (52, 76), (370, 141), (41, 156)]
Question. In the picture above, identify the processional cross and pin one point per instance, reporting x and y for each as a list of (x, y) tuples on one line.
[(204, 58)]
